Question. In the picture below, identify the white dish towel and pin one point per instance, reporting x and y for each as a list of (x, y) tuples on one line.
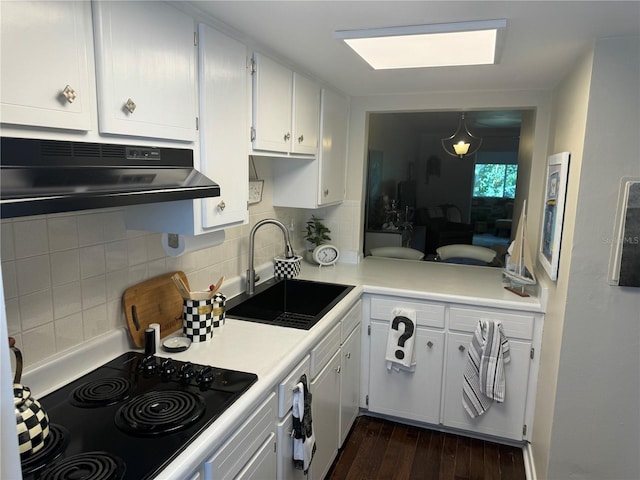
[(304, 442), (484, 377), (400, 340)]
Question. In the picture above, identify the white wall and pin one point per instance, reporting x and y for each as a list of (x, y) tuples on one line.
[(596, 420)]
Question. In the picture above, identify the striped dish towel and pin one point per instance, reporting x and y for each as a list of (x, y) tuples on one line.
[(484, 378)]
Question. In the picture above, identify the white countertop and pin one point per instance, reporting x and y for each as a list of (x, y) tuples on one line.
[(270, 351)]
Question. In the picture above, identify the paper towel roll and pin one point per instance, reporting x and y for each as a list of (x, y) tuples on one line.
[(176, 245)]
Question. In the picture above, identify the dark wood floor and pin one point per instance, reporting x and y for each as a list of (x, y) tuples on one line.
[(380, 449)]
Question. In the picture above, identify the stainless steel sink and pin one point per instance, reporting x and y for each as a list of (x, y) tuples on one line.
[(288, 303)]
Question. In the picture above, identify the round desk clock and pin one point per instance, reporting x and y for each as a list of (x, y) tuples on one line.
[(326, 254)]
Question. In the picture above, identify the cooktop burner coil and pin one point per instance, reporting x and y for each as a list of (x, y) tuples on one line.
[(54, 445), (87, 466), (159, 412), (101, 393)]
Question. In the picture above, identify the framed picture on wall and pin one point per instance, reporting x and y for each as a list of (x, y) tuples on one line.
[(553, 214)]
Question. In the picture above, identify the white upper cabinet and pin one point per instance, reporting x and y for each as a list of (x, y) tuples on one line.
[(286, 109), (333, 152), (145, 69), (45, 63), (321, 181), (224, 104), (305, 115)]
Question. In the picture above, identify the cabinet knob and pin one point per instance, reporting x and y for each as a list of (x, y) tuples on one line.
[(69, 93), (461, 348), (301, 139), (326, 192), (287, 137), (130, 106), (348, 354), (429, 344), (222, 206), (338, 369)]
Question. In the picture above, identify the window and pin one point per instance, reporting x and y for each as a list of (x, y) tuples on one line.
[(495, 180)]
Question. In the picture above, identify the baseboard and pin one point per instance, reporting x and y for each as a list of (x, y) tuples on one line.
[(529, 466)]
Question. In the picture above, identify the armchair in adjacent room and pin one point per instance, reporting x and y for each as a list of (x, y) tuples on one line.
[(444, 227)]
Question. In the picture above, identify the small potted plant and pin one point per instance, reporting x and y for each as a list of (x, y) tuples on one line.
[(317, 233)]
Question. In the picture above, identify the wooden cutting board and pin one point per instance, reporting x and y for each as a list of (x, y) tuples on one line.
[(153, 301)]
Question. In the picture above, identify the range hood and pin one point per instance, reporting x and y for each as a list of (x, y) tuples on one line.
[(51, 176)]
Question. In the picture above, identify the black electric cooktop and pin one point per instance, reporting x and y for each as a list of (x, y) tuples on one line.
[(130, 417)]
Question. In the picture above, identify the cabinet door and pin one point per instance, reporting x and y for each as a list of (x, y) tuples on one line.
[(272, 87), (411, 395), (502, 419), (333, 152), (45, 51), (349, 382), (223, 126), (325, 389), (306, 115), (263, 463), (145, 69), (286, 470)]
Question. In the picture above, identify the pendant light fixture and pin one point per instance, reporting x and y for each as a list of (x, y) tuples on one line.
[(462, 143)]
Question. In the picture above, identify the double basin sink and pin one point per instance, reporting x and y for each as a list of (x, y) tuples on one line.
[(287, 303)]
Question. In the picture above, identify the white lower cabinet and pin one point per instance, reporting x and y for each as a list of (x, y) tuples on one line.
[(246, 452), (411, 395), (433, 392), (325, 412), (350, 353), (504, 420), (263, 464), (284, 433)]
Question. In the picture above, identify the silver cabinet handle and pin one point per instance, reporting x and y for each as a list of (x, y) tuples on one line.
[(326, 192), (429, 344), (461, 348), (222, 206), (348, 354), (301, 139), (287, 136), (130, 106), (338, 369), (69, 93)]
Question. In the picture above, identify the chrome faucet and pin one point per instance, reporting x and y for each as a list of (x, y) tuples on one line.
[(288, 251)]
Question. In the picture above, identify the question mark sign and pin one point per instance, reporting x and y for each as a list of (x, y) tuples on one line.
[(408, 331)]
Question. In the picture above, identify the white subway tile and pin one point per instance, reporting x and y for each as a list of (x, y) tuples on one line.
[(7, 251), (90, 229), (92, 261), (12, 310), (36, 309), (38, 344), (9, 279), (94, 291), (67, 299), (137, 250), (33, 239), (114, 226), (117, 255), (65, 267), (63, 233), (95, 321), (69, 332), (117, 282), (33, 274)]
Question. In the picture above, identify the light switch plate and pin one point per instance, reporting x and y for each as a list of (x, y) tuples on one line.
[(255, 191)]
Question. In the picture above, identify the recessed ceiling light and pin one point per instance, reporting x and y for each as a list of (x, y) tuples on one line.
[(418, 46)]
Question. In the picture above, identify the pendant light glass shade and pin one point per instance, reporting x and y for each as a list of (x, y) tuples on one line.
[(462, 143)]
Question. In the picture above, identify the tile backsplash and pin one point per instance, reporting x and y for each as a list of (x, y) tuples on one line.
[(64, 274)]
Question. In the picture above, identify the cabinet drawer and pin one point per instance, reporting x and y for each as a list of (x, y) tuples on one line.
[(325, 349), (427, 314), (514, 324), (350, 321), (285, 388), (245, 442)]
